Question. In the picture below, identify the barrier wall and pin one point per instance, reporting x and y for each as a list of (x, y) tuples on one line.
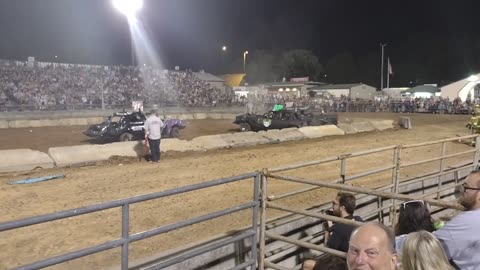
[(89, 117), (85, 154)]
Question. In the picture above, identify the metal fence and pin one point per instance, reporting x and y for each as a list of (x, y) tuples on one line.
[(127, 238), (387, 195), (436, 186)]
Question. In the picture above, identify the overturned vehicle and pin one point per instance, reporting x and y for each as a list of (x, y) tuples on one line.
[(129, 126), (279, 119)]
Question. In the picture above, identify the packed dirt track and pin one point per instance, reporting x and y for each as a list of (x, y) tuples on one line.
[(125, 177)]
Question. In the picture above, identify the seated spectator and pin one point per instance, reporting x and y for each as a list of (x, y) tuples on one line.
[(343, 206), (329, 262), (413, 216), (372, 247), (422, 251), (460, 236)]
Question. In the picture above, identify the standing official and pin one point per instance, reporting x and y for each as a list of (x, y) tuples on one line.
[(153, 132)]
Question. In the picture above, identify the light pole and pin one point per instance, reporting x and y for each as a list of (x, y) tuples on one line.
[(224, 51), (244, 60), (129, 8), (381, 66)]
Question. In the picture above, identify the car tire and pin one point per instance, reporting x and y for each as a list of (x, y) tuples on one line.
[(126, 137), (175, 132), (244, 127)]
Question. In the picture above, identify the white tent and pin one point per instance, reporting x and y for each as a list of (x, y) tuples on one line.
[(461, 88)]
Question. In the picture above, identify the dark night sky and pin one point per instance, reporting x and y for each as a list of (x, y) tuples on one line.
[(190, 33)]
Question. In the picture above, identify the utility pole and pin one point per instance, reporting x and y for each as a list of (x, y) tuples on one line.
[(381, 66)]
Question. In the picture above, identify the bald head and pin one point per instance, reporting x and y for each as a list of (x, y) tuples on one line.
[(372, 247)]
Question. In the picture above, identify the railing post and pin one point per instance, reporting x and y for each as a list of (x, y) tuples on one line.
[(476, 159), (442, 167), (342, 169), (263, 220), (256, 199), (395, 181), (125, 234)]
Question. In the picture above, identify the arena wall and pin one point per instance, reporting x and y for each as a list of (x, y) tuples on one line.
[(89, 117)]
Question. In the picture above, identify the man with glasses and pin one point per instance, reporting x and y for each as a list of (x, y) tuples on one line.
[(461, 236)]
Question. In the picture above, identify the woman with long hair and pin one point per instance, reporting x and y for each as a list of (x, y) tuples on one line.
[(422, 251)]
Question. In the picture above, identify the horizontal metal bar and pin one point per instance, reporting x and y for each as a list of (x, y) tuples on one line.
[(313, 214), (198, 251), (188, 222), (112, 204), (275, 266), (370, 151), (363, 174), (415, 180), (288, 246), (296, 192), (436, 158), (245, 264), (303, 164), (439, 141), (72, 255), (306, 244), (330, 159), (366, 190)]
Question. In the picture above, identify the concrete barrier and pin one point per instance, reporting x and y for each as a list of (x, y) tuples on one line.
[(229, 116), (347, 128), (81, 154), (174, 144), (209, 142), (244, 139), (363, 126), (382, 124), (3, 124), (200, 116), (288, 134), (405, 122), (24, 160), (321, 131)]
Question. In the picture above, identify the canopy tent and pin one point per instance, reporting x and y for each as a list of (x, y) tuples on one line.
[(463, 89)]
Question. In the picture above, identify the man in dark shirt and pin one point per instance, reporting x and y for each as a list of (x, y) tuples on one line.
[(343, 206)]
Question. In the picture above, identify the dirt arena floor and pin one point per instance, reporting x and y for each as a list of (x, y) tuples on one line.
[(124, 177)]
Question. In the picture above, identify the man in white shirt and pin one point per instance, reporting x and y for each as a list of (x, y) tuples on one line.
[(153, 132), (461, 236)]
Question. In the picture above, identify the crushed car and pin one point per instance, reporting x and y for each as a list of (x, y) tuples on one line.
[(129, 126), (284, 118)]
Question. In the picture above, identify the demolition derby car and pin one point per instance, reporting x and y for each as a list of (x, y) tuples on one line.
[(279, 119), (128, 126)]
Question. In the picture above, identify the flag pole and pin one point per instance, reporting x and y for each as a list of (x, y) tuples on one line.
[(388, 73)]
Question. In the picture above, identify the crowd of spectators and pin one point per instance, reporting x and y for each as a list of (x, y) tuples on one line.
[(417, 242), (60, 86), (64, 87), (380, 104)]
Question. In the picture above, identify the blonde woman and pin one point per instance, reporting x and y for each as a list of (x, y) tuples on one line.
[(422, 251)]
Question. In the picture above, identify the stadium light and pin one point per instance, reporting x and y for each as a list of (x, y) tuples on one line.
[(224, 48), (129, 8), (244, 60)]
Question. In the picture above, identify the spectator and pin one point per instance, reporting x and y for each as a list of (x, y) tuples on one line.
[(413, 216), (460, 236), (343, 206), (422, 251), (372, 247), (153, 132)]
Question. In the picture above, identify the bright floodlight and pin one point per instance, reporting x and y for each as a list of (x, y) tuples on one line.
[(128, 8), (224, 48)]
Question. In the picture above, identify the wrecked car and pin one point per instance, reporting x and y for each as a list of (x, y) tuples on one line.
[(283, 119), (129, 126)]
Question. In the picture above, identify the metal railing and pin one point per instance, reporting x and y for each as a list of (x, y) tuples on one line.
[(393, 193), (127, 238)]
